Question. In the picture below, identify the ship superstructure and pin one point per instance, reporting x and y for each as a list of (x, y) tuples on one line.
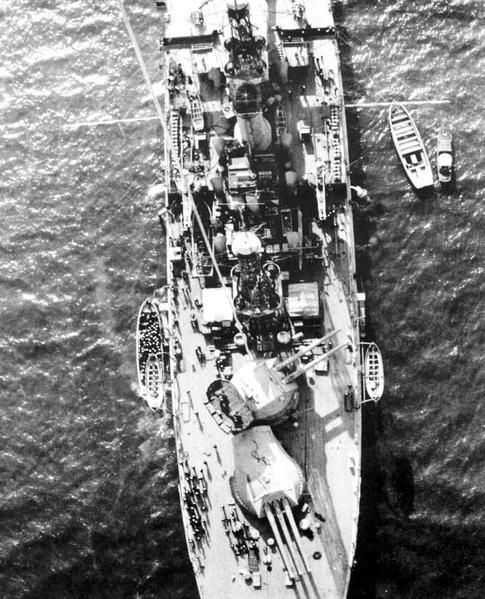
[(266, 372)]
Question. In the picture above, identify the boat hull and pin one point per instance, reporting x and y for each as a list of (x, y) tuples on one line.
[(373, 373), (153, 392), (149, 347), (410, 147), (444, 156)]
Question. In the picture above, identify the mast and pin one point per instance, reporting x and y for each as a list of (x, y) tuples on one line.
[(175, 158)]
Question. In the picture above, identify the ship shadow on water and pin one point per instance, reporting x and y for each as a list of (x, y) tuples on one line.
[(402, 553), (419, 534), (387, 484), (387, 496)]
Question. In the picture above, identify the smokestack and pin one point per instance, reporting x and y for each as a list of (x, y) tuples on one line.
[(255, 130), (251, 126)]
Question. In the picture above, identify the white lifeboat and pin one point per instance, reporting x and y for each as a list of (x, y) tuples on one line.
[(153, 392), (373, 372), (410, 147)]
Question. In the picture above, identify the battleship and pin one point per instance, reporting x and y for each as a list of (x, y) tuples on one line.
[(258, 333)]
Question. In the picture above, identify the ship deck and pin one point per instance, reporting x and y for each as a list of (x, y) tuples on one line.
[(322, 435), (325, 442)]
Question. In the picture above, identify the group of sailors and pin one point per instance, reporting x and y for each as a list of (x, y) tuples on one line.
[(177, 79), (225, 407), (223, 365), (150, 338), (195, 497), (241, 541), (298, 9)]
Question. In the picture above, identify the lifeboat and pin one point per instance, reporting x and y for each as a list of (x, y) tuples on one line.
[(154, 388), (373, 372)]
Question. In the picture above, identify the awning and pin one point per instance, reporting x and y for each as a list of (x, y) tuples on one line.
[(303, 300), (216, 305)]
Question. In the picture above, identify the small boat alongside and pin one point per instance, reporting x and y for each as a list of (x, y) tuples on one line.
[(444, 155), (410, 147), (373, 373), (153, 385), (149, 351)]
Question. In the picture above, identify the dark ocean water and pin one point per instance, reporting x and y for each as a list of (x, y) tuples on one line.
[(88, 498)]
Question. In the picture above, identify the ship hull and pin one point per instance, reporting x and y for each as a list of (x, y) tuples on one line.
[(323, 433)]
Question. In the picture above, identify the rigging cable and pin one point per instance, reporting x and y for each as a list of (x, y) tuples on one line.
[(175, 158)]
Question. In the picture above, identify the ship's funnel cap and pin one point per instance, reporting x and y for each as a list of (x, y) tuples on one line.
[(246, 99), (245, 243)]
